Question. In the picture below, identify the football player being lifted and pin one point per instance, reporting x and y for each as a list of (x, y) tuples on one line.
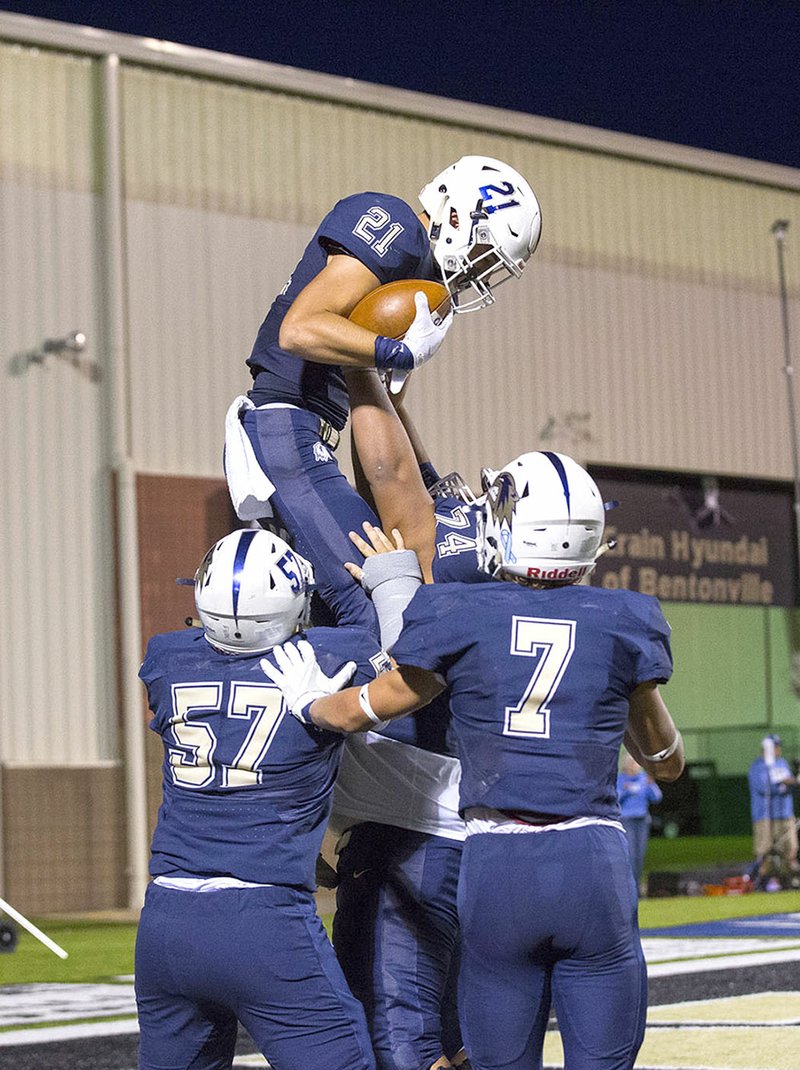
[(229, 930), (478, 225), (546, 677)]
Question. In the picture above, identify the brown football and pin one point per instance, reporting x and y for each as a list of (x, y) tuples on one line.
[(390, 309)]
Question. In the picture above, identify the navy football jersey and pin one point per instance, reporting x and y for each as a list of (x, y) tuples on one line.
[(539, 686), (429, 728), (455, 558), (384, 233), (246, 786)]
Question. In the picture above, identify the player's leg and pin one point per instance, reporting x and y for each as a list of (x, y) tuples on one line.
[(394, 931), (315, 503), (179, 1029), (600, 979), (762, 844), (290, 992), (390, 465), (452, 1040), (504, 986), (791, 845)]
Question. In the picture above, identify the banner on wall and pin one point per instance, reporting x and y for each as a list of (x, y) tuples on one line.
[(707, 539)]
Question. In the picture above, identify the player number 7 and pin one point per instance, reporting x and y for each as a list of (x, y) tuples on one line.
[(552, 643)]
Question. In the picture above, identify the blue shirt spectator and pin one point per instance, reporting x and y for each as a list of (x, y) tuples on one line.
[(772, 810), (770, 780)]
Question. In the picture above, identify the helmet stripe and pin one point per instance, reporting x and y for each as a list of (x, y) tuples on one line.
[(245, 541), (558, 464)]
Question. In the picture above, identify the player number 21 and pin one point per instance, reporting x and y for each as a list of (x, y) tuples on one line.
[(375, 227), (552, 643)]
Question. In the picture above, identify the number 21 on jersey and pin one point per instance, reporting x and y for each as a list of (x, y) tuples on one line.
[(552, 643)]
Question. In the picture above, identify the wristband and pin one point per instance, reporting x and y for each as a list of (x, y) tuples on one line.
[(390, 354), (667, 752), (366, 705)]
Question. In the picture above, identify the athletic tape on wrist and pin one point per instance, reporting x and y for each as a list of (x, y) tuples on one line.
[(366, 705), (667, 752)]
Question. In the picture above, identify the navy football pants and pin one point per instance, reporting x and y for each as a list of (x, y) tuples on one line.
[(257, 955), (550, 913), (396, 934), (316, 504)]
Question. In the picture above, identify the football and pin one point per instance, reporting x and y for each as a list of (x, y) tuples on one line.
[(390, 309)]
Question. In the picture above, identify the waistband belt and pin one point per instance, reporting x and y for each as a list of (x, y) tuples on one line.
[(329, 435)]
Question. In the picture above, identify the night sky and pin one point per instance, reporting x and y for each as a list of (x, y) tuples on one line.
[(714, 74)]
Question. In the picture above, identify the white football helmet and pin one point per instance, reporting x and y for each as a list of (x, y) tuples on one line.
[(252, 591), (542, 520), (485, 224)]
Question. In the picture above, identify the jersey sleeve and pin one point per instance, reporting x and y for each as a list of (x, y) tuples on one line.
[(381, 231), (153, 665), (455, 555), (334, 647), (650, 637), (432, 629)]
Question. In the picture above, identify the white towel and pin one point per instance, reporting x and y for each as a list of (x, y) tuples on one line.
[(249, 487)]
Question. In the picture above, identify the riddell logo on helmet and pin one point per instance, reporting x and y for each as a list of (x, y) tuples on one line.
[(557, 573)]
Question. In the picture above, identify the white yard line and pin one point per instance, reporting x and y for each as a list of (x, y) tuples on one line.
[(46, 1034), (723, 962)]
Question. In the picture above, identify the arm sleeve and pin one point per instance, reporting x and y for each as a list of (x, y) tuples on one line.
[(391, 580)]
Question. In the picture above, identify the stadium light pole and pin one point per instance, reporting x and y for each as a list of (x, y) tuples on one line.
[(779, 228)]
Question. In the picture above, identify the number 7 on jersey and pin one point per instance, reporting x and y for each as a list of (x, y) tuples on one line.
[(552, 643)]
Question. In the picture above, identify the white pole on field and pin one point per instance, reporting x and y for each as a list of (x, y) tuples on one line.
[(33, 929)]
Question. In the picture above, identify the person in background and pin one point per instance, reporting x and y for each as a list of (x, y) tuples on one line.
[(772, 810), (637, 791)]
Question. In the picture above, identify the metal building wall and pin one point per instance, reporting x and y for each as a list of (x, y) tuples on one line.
[(57, 638), (646, 330)]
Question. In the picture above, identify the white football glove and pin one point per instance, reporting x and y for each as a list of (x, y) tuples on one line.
[(422, 338), (298, 675)]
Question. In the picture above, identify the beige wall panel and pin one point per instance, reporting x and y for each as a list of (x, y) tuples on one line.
[(199, 286), (46, 109), (55, 544)]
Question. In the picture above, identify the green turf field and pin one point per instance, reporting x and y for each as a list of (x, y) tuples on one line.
[(697, 852), (99, 950)]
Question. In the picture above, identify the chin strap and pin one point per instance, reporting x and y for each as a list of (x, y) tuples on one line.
[(605, 547)]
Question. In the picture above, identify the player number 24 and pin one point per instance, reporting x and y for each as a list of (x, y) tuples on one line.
[(259, 706), (552, 643)]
